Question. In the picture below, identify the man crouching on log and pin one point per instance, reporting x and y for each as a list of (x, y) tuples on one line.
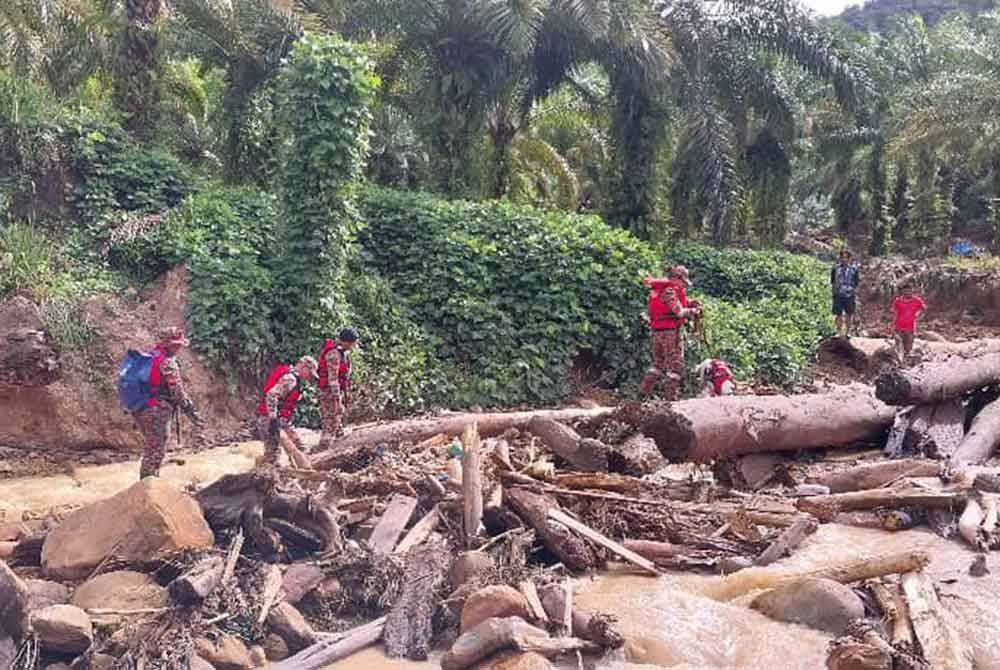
[(668, 309), (274, 412)]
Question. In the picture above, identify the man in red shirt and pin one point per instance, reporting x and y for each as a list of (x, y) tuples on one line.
[(668, 310), (906, 307)]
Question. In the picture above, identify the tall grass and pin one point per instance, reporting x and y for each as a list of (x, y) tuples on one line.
[(28, 262)]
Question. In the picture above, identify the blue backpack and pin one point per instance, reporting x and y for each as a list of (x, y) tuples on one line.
[(133, 379)]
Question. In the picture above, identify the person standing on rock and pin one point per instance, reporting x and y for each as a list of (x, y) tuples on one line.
[(334, 384), (668, 308), (166, 397), (906, 307), (844, 276), (281, 392)]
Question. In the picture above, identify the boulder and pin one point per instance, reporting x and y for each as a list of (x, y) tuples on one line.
[(225, 653), (8, 650), (121, 590), (850, 654), (7, 550), (299, 580), (293, 628), (515, 660), (146, 519), (13, 531), (42, 593), (63, 629), (493, 602), (13, 603), (468, 566), (198, 663), (822, 604), (258, 657)]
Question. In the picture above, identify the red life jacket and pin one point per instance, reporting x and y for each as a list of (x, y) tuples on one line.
[(288, 402), (343, 370), (719, 373), (156, 389), (661, 311)]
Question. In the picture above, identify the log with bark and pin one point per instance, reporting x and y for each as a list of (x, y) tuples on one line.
[(409, 627), (937, 381), (705, 429), (329, 650), (658, 552), (534, 509), (827, 507), (869, 354), (416, 430), (935, 430), (28, 358), (982, 440), (197, 583), (940, 641), (876, 475), (583, 454)]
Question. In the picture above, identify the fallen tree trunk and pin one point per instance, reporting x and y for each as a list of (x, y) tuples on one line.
[(28, 358), (585, 455), (827, 507), (982, 440), (941, 642), (409, 627), (876, 475), (534, 509), (870, 354), (326, 652), (415, 430), (936, 381), (845, 572), (704, 429)]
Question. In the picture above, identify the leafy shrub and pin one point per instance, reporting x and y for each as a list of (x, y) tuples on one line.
[(28, 262)]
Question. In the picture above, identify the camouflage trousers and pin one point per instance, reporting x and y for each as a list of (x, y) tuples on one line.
[(331, 411), (154, 424), (272, 445), (668, 356)]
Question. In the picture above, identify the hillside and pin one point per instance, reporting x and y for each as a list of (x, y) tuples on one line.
[(877, 14)]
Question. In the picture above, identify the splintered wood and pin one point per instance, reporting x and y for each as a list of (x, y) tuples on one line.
[(391, 524), (472, 484)]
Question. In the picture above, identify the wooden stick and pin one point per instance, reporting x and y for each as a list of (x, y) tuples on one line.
[(791, 538), (272, 587), (300, 460), (472, 484), (421, 531), (234, 553), (823, 506), (530, 593), (330, 650), (607, 543)]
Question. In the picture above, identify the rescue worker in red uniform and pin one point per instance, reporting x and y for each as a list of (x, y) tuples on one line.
[(334, 384), (668, 310), (716, 377), (167, 396), (282, 390)]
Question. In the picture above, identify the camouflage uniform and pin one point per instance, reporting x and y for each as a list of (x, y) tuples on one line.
[(154, 421), (274, 398), (668, 355), (332, 400)]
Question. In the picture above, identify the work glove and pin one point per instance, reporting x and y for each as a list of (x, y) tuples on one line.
[(273, 427)]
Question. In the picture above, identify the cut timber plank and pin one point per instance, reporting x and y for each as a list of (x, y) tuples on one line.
[(607, 543), (392, 522), (472, 484), (530, 593), (420, 532), (939, 640)]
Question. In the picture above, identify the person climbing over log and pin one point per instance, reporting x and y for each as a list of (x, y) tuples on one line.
[(281, 392), (906, 307), (334, 394), (158, 398), (668, 309), (844, 277)]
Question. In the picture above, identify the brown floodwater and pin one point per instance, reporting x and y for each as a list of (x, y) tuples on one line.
[(682, 621)]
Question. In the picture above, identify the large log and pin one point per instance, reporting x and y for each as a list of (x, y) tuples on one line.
[(409, 627), (534, 509), (982, 439), (939, 380), (936, 430), (28, 358), (586, 455), (705, 429), (828, 506), (415, 430), (876, 475), (869, 354)]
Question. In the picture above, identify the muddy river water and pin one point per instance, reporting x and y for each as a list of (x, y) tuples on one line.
[(679, 620)]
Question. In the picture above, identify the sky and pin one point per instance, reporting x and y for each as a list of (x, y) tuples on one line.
[(829, 7)]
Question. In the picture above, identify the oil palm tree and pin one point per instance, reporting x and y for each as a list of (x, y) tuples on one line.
[(136, 85)]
